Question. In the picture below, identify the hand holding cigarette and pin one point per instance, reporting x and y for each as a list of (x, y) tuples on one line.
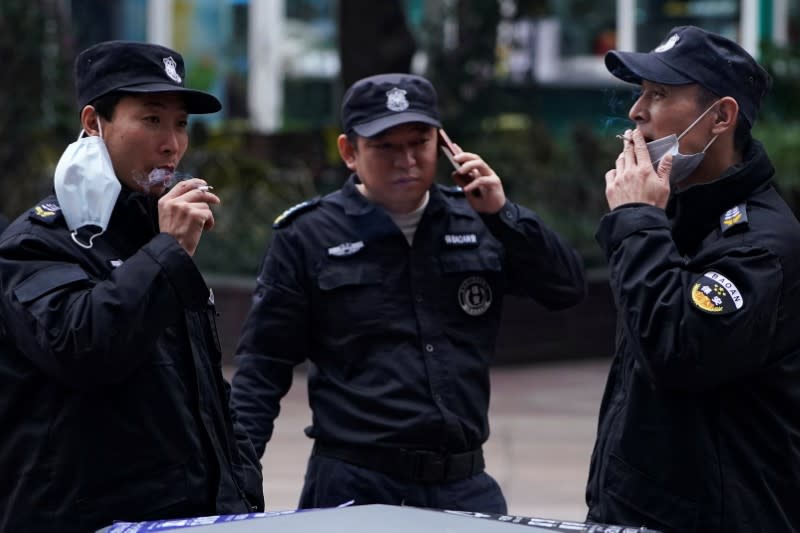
[(633, 179), (184, 212)]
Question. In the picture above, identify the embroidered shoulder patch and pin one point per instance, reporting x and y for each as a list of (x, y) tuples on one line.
[(46, 213), (289, 215), (735, 217), (716, 294)]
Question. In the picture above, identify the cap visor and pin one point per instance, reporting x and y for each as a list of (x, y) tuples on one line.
[(634, 67), (374, 127), (197, 102)]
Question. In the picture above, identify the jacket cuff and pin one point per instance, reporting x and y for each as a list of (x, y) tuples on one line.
[(180, 270), (625, 220), (504, 219)]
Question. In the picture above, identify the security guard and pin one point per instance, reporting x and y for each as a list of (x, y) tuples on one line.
[(699, 427), (112, 401), (393, 288)]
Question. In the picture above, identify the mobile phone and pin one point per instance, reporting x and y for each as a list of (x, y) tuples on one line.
[(449, 149)]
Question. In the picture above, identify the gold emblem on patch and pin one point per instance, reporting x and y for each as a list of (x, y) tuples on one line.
[(703, 301), (41, 212), (732, 216), (734, 219)]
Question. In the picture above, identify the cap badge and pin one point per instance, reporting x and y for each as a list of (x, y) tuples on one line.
[(396, 100), (170, 68), (668, 44)]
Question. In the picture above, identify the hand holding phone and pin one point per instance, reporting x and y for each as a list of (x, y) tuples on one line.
[(450, 149)]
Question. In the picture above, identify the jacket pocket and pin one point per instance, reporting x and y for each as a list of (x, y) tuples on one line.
[(334, 276), (139, 492), (470, 261), (350, 294), (250, 481), (636, 496), (472, 288), (47, 280)]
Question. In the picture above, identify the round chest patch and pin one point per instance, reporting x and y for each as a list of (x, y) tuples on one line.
[(474, 296), (716, 294)]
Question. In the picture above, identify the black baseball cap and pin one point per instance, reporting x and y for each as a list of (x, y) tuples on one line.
[(377, 103), (135, 67), (693, 55)]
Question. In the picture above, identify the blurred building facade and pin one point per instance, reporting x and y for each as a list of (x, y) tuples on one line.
[(275, 63)]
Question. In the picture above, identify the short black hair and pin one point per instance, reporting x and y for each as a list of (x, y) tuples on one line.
[(742, 135), (106, 104)]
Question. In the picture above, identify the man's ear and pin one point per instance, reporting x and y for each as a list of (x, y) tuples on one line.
[(89, 120), (726, 115), (347, 151)]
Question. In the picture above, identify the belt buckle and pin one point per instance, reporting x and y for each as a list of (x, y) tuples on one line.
[(429, 466)]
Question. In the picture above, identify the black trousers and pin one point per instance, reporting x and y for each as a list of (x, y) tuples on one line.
[(330, 482)]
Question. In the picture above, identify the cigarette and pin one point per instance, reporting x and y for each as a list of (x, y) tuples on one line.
[(205, 188), (624, 138)]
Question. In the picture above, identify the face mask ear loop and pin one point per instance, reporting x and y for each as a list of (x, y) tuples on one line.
[(697, 120), (91, 239), (714, 138)]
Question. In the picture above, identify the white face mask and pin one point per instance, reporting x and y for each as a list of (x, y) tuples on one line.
[(682, 164), (86, 186)]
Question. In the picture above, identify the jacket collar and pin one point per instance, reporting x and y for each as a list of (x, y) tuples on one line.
[(356, 204), (695, 211), (137, 213)]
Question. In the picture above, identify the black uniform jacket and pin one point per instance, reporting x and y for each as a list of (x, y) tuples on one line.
[(113, 405), (699, 427), (400, 337)]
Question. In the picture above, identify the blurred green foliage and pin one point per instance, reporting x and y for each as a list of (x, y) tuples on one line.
[(559, 174), (561, 178), (253, 192), (779, 127), (36, 110)]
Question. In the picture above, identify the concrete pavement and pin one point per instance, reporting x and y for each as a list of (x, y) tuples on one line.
[(543, 419)]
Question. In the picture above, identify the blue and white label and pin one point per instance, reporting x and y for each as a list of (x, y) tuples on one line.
[(461, 239), (345, 249)]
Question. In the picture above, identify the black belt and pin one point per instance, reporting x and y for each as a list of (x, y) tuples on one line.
[(420, 466)]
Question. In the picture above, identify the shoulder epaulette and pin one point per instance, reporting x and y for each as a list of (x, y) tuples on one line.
[(291, 213), (734, 218), (46, 213)]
